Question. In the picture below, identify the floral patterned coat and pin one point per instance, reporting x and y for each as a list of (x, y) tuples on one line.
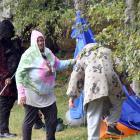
[(94, 74)]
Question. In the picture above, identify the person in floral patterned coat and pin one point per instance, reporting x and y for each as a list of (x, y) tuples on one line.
[(94, 73)]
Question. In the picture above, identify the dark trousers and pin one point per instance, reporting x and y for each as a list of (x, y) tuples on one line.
[(38, 119), (50, 116), (6, 104)]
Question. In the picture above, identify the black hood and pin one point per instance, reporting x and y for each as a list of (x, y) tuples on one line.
[(6, 29)]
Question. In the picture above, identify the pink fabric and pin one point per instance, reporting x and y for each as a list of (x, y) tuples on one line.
[(57, 61), (42, 74), (21, 90), (35, 34)]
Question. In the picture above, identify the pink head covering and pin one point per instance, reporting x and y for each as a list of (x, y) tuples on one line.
[(35, 34)]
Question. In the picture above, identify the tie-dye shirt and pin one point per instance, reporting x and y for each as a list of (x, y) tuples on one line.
[(35, 76)]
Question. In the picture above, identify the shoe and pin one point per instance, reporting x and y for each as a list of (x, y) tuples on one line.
[(60, 125), (112, 130), (7, 135), (1, 135)]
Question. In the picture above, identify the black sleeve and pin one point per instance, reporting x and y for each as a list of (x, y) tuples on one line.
[(13, 57), (12, 63)]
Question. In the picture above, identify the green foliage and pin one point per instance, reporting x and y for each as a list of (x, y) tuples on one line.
[(107, 21), (44, 15)]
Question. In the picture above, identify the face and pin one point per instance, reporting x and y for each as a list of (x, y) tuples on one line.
[(40, 43)]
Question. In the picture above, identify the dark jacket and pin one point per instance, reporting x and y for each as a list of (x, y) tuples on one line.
[(9, 58)]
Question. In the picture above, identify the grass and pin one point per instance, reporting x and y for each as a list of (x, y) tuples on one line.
[(78, 133)]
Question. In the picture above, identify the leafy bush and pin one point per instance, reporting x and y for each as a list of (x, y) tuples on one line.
[(107, 20), (44, 15)]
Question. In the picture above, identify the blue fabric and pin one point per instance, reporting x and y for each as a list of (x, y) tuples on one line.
[(83, 35), (77, 112), (63, 64), (130, 115)]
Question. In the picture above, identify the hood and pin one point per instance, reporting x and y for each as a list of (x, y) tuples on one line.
[(34, 50), (34, 35), (33, 43), (6, 29)]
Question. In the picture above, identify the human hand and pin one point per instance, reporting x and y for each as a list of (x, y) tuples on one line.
[(71, 102), (8, 81), (22, 100)]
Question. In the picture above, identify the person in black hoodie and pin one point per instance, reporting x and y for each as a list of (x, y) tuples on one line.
[(9, 57)]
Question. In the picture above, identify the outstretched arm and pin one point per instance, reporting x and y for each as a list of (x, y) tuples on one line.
[(64, 64)]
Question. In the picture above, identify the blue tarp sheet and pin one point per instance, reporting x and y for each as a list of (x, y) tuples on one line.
[(130, 114), (82, 33)]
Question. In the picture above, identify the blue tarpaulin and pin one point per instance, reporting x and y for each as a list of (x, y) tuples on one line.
[(130, 114), (83, 35)]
